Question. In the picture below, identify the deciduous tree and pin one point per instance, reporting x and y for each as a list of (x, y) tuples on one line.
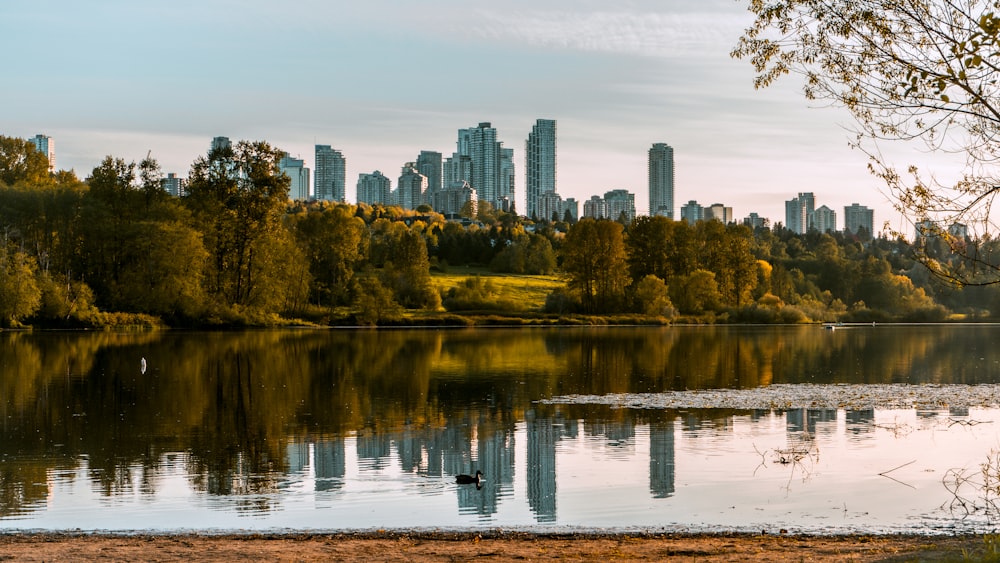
[(594, 258), (911, 70)]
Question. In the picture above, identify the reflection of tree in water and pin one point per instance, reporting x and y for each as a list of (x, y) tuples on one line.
[(23, 486), (447, 400)]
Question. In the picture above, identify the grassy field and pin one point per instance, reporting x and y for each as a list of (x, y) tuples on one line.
[(527, 291)]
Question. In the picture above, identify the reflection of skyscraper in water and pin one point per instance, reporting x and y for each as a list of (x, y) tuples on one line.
[(807, 420), (374, 450), (618, 433), (496, 461), (297, 457), (860, 421), (542, 435), (661, 459), (331, 463)]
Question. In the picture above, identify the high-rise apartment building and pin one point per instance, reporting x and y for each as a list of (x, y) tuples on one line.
[(429, 164), (692, 212), (858, 217), (549, 207), (47, 146), (615, 205), (173, 185), (330, 182), (295, 169), (719, 212), (411, 187), (621, 205), (824, 220), (755, 221), (452, 200), (798, 212), (505, 195), (219, 143), (374, 188), (478, 161), (661, 180), (540, 165)]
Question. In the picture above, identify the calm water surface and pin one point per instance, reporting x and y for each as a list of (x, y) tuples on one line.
[(358, 429)]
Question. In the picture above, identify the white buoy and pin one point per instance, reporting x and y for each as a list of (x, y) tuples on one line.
[(142, 364)]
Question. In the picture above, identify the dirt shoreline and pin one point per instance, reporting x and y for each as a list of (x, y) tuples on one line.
[(497, 546)]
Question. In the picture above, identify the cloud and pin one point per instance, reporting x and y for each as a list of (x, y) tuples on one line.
[(671, 34)]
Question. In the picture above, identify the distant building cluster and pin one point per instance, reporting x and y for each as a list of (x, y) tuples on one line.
[(481, 170), (802, 216)]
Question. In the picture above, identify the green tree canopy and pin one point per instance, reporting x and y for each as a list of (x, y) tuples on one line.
[(20, 161), (594, 259), (239, 196)]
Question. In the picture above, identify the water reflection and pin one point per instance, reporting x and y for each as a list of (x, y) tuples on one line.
[(254, 419)]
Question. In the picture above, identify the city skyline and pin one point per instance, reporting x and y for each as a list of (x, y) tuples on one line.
[(664, 71)]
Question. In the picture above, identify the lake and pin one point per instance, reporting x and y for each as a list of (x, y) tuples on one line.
[(874, 429)]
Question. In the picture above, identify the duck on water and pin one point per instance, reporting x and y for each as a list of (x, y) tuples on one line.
[(469, 479)]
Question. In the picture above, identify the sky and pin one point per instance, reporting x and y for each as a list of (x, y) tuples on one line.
[(381, 80)]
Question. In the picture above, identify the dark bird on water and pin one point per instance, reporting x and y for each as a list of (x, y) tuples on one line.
[(469, 479)]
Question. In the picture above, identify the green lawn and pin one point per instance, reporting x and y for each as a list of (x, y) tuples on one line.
[(528, 291)]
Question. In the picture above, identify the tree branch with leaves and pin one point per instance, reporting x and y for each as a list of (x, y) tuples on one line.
[(905, 70)]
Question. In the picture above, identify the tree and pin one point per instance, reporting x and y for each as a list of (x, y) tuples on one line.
[(20, 161), (594, 258), (653, 298), (336, 241), (239, 195), (139, 250), (917, 70), (20, 295)]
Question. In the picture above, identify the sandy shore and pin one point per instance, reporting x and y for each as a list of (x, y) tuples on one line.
[(487, 546)]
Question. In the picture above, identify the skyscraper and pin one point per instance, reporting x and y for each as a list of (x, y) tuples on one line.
[(505, 193), (692, 212), (858, 217), (297, 172), (173, 185), (47, 146), (661, 180), (374, 188), (540, 167), (411, 187), (220, 143), (331, 174), (798, 212), (484, 160), (823, 220), (429, 164)]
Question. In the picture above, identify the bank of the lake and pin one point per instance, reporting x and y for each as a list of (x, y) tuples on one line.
[(387, 546)]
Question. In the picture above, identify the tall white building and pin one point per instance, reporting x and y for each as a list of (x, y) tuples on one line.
[(47, 146), (411, 187), (478, 160), (615, 205), (297, 172), (374, 188), (824, 220), (719, 212), (330, 182), (540, 167), (858, 217), (661, 180), (798, 212)]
